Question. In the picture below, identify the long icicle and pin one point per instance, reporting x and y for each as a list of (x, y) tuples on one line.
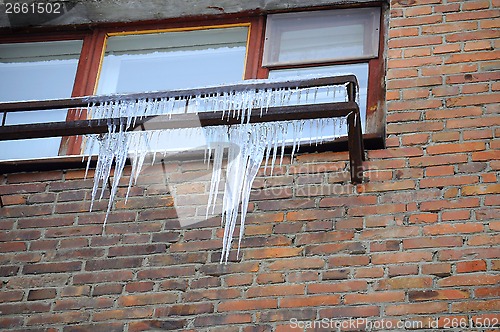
[(248, 145)]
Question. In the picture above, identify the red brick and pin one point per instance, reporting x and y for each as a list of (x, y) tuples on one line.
[(8, 270), (238, 280), (337, 287), (423, 218), (263, 253), (426, 20), (41, 294), (81, 303), (351, 311), (245, 305), (415, 139), (58, 318), (438, 269), (445, 294), (405, 283), (322, 237), (471, 266), (387, 186), (106, 289), (270, 278), (487, 292), (147, 299), (226, 319), (352, 260), (391, 233), (455, 215), (309, 301), (415, 308), (375, 297), (11, 296), (12, 322), (275, 291), (480, 189), (136, 250), (403, 270), (440, 228), (125, 313), (52, 267), (369, 272), (106, 264), (296, 264), (467, 253), (330, 248), (139, 286), (469, 202), (171, 271), (97, 277), (184, 309), (432, 242), (211, 294), (401, 257), (316, 214), (75, 291), (472, 306), (414, 41), (469, 280)]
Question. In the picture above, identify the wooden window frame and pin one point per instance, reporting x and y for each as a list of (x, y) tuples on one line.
[(94, 45)]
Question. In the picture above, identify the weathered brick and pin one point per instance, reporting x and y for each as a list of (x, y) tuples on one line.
[(472, 279), (245, 305), (309, 301), (376, 297), (184, 310), (337, 287), (52, 267), (405, 283), (125, 313), (41, 294), (274, 291), (415, 308), (147, 299), (445, 294)]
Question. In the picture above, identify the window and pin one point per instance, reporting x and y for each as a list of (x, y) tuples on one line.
[(186, 55), (331, 42), (36, 71), (173, 60)]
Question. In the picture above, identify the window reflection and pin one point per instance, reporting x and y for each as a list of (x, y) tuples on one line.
[(173, 60), (36, 71)]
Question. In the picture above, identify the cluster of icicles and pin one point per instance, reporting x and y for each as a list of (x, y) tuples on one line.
[(246, 144)]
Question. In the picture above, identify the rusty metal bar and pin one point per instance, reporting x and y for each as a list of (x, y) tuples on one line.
[(355, 143), (186, 120), (79, 102)]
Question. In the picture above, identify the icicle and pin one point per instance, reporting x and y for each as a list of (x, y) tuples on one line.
[(247, 144)]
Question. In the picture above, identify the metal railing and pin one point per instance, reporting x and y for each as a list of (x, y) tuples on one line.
[(347, 109)]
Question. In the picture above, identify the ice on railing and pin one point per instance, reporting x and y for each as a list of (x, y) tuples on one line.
[(248, 145)]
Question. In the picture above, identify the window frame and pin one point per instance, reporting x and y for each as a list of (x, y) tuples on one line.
[(94, 46), (375, 115)]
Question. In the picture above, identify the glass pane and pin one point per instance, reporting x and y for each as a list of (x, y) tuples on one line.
[(360, 70), (173, 60), (36, 71), (312, 37)]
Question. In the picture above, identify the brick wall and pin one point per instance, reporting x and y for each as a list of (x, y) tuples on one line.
[(417, 242)]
